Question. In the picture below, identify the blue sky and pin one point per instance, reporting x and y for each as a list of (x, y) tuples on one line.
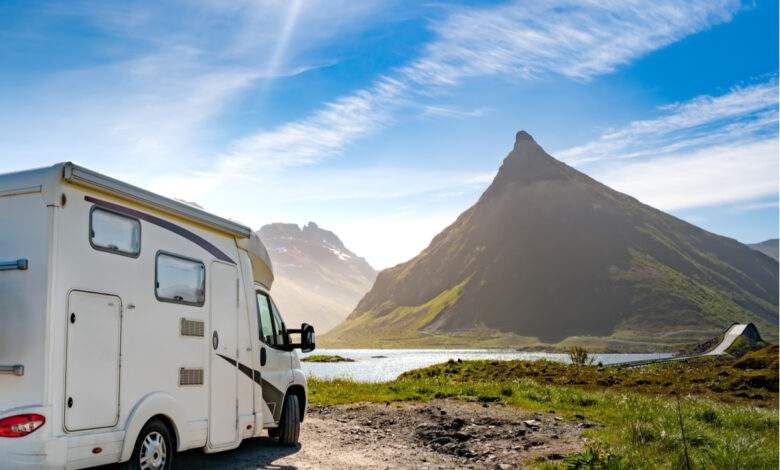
[(383, 120)]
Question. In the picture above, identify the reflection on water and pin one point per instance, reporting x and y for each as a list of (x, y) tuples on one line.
[(377, 365)]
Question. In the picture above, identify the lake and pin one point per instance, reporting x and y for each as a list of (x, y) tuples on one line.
[(379, 365)]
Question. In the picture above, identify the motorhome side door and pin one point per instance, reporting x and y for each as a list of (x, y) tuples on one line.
[(223, 382), (92, 360)]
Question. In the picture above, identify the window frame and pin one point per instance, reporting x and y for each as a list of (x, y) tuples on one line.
[(157, 279), (107, 249), (280, 347), (283, 330)]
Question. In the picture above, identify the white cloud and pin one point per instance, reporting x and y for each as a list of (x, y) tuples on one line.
[(453, 112), (321, 135), (710, 176), (707, 151), (739, 115), (528, 40), (576, 39), (755, 206), (165, 73)]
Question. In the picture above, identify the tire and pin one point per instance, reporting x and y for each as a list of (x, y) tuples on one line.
[(154, 448), (290, 423)]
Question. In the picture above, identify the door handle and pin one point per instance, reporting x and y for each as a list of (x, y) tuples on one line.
[(262, 356)]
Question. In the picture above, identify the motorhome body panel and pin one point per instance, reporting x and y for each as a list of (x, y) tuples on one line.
[(154, 350), (26, 226)]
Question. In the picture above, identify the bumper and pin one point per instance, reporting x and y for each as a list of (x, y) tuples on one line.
[(33, 452), (61, 452)]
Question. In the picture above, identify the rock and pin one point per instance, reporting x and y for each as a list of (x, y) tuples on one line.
[(442, 440), (533, 424), (461, 436)]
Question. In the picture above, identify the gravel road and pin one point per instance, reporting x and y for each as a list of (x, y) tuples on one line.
[(442, 434)]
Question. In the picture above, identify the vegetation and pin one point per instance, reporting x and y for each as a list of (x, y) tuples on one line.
[(326, 358), (579, 355), (727, 408)]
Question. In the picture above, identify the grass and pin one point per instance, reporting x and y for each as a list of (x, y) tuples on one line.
[(326, 358), (641, 424)]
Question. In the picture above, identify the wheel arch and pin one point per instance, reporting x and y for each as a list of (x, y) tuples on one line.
[(300, 392), (157, 405)]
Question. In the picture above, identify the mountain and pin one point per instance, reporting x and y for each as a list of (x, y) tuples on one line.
[(549, 256), (768, 247), (317, 279)]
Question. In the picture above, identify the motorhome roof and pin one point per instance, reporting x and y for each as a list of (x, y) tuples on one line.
[(76, 174)]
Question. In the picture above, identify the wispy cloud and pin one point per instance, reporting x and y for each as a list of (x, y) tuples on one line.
[(709, 176), (453, 112), (165, 73), (706, 151), (743, 114), (578, 40)]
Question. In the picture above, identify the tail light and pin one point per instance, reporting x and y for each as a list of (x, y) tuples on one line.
[(20, 425)]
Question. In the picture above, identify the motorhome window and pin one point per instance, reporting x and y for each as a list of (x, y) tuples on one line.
[(280, 331), (109, 231), (181, 280), (264, 319)]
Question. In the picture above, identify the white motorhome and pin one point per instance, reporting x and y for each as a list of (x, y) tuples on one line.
[(133, 326)]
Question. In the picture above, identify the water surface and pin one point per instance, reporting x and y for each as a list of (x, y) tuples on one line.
[(378, 365)]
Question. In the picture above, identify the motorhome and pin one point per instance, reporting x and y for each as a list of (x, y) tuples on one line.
[(133, 326)]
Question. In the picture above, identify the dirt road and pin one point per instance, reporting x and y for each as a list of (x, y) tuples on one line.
[(443, 434)]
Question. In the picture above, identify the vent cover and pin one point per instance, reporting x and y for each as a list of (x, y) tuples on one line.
[(190, 376), (191, 327)]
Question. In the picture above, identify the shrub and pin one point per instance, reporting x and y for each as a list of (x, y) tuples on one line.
[(579, 355)]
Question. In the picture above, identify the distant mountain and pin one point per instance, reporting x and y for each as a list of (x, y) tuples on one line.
[(318, 280), (550, 256), (768, 247)]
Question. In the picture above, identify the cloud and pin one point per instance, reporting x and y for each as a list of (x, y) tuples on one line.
[(705, 177), (576, 39), (525, 40), (453, 112), (707, 151), (149, 91), (742, 114), (321, 135)]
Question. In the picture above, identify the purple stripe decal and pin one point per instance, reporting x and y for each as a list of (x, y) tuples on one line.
[(194, 238)]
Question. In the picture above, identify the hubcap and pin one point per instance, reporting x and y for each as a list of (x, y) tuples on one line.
[(153, 452)]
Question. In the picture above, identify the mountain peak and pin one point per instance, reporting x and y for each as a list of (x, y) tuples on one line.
[(523, 136), (526, 146), (528, 163)]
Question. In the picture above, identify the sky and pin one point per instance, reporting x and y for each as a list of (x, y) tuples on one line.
[(382, 120)]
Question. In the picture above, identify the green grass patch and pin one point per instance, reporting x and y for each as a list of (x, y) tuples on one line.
[(640, 424), (326, 358)]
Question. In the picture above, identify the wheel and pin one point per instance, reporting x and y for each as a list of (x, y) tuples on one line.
[(153, 449), (290, 423)]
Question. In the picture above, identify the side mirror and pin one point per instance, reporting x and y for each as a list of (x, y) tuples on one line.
[(307, 338)]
